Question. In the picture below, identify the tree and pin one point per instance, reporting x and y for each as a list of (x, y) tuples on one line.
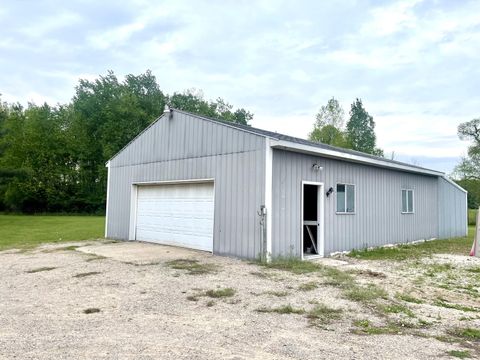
[(53, 158), (470, 130), (328, 125), (473, 188), (467, 172), (469, 167), (35, 167), (360, 130), (193, 101), (330, 135), (105, 115)]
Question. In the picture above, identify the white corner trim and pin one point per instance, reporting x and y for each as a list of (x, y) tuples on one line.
[(268, 193), (288, 145), (108, 194), (132, 230)]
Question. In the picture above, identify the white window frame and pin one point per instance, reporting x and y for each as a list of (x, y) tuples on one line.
[(354, 200), (413, 201)]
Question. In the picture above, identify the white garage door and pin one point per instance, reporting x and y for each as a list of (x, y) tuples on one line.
[(180, 214)]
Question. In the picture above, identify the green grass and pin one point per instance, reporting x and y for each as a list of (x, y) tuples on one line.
[(366, 328), (45, 268), (285, 309), (25, 231), (292, 264), (409, 298), (445, 304), (475, 270), (466, 333), (336, 277), (193, 267), (322, 314), (397, 309), (365, 293), (461, 354), (220, 293), (472, 217), (309, 286), (403, 252)]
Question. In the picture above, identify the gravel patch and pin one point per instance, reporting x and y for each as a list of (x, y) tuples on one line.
[(135, 306)]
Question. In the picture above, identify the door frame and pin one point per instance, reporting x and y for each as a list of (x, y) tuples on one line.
[(132, 231), (320, 218)]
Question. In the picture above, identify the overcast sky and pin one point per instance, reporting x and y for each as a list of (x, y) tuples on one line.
[(415, 64)]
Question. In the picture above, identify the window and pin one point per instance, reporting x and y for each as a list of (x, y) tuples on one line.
[(407, 201), (345, 199)]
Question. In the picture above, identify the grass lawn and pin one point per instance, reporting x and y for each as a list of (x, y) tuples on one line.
[(20, 231), (459, 246), (472, 216)]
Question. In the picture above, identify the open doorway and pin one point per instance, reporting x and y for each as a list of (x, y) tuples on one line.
[(312, 223)]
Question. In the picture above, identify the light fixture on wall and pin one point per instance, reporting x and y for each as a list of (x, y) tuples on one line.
[(329, 191), (317, 167)]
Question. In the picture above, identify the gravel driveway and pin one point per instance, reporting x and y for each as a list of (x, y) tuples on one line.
[(138, 301)]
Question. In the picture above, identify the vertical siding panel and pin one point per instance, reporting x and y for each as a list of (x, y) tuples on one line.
[(187, 147), (451, 207), (378, 219)]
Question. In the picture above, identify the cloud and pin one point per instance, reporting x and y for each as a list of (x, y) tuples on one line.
[(413, 63)]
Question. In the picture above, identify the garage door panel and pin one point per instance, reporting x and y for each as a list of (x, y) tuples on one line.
[(179, 215)]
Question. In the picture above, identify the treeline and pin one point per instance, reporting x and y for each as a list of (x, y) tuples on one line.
[(52, 158), (358, 133), (467, 172)]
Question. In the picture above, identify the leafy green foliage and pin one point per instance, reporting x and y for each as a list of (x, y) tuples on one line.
[(468, 170), (360, 131), (473, 196), (193, 101), (53, 158), (328, 127)]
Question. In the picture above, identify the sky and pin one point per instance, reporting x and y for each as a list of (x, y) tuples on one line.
[(414, 64)]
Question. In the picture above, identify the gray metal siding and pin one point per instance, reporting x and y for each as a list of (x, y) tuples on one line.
[(452, 204), (378, 219), (186, 147)]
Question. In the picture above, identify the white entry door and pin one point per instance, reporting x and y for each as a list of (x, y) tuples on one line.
[(176, 214)]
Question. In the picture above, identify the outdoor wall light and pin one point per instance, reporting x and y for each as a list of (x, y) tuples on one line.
[(329, 191), (317, 167)]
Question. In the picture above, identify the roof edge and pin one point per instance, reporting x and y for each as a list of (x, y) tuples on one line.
[(288, 145), (331, 151)]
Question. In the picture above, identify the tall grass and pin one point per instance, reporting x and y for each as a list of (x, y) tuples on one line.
[(472, 216)]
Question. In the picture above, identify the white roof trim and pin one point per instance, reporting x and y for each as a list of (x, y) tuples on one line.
[(308, 149), (455, 184)]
